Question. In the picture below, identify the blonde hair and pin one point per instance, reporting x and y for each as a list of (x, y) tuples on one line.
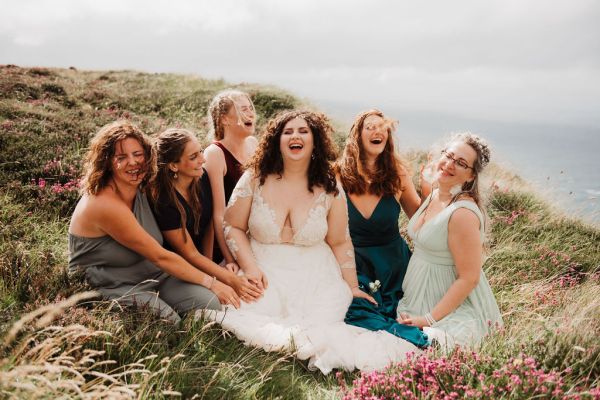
[(97, 167), (220, 106)]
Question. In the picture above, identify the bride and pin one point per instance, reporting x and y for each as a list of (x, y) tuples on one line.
[(287, 226)]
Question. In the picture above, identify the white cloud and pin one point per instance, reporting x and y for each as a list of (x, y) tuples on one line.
[(527, 61)]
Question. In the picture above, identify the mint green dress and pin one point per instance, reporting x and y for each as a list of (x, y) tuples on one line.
[(381, 254), (431, 272)]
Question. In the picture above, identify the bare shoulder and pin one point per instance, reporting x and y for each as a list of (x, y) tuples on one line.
[(212, 151), (94, 210), (464, 219), (215, 159)]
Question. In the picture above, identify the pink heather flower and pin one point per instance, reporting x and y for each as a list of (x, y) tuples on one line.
[(41, 183)]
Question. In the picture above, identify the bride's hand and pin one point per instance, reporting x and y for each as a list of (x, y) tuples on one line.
[(225, 294), (356, 292), (257, 277), (247, 290)]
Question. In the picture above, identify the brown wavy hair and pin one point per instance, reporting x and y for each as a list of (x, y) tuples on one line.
[(170, 145), (268, 159), (386, 179), (97, 166)]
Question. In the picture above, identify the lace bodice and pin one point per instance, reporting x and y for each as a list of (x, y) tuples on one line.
[(262, 222)]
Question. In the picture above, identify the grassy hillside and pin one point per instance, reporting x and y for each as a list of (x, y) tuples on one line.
[(544, 268)]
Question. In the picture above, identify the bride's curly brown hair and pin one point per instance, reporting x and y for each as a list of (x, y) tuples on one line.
[(389, 171), (268, 159)]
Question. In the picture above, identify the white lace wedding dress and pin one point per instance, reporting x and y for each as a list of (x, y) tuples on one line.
[(303, 309)]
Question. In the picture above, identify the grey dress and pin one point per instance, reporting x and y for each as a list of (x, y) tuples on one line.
[(121, 274), (431, 271)]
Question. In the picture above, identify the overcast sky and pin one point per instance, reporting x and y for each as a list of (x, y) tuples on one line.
[(533, 61)]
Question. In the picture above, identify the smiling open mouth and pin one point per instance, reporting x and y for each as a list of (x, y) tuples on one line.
[(296, 146), (135, 173), (376, 140)]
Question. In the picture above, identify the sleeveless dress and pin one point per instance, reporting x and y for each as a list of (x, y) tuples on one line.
[(121, 274), (431, 272), (302, 310), (381, 254), (235, 169)]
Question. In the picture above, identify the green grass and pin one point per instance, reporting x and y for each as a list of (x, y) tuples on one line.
[(544, 267)]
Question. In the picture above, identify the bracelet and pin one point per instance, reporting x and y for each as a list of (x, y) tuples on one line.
[(429, 318), (212, 282)]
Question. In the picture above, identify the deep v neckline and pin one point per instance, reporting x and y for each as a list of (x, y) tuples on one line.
[(425, 205), (273, 215), (372, 212)]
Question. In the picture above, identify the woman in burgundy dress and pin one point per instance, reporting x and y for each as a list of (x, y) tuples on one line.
[(232, 123)]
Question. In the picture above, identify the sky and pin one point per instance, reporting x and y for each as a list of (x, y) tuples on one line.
[(530, 62)]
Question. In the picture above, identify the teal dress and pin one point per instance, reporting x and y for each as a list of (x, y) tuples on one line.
[(381, 254)]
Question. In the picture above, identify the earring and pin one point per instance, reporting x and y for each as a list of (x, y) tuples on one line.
[(174, 175), (312, 156)]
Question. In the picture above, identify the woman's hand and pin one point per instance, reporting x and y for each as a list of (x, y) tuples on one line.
[(257, 277), (225, 294), (356, 292), (426, 179), (247, 290), (418, 321)]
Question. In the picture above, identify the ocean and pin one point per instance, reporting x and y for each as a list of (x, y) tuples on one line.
[(561, 162)]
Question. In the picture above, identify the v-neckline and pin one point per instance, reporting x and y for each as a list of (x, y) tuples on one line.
[(372, 212), (273, 213), (417, 231), (223, 147)]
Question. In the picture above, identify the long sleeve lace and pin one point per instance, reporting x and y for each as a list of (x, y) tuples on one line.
[(235, 222), (338, 238)]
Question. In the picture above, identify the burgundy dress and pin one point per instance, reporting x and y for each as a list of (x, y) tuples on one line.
[(234, 172)]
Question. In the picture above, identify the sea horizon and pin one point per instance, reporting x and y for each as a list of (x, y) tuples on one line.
[(558, 160)]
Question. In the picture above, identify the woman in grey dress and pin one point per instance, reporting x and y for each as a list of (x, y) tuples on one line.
[(115, 241)]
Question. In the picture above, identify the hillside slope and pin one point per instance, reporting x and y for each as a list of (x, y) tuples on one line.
[(544, 268)]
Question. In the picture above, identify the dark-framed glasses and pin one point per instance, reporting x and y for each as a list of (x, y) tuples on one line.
[(459, 162)]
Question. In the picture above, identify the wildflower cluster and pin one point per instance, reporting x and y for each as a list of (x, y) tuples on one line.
[(462, 374), (510, 219), (50, 197)]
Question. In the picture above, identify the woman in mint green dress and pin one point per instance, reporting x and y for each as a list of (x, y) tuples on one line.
[(446, 292), (378, 186)]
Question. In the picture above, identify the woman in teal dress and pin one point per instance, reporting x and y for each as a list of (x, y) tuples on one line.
[(446, 292), (378, 187)]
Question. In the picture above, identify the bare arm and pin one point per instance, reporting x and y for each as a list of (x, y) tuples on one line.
[(339, 240), (235, 228), (465, 245), (208, 241), (116, 220), (228, 285), (409, 199), (215, 167)]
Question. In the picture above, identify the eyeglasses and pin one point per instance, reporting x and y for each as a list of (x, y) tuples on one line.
[(460, 162)]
